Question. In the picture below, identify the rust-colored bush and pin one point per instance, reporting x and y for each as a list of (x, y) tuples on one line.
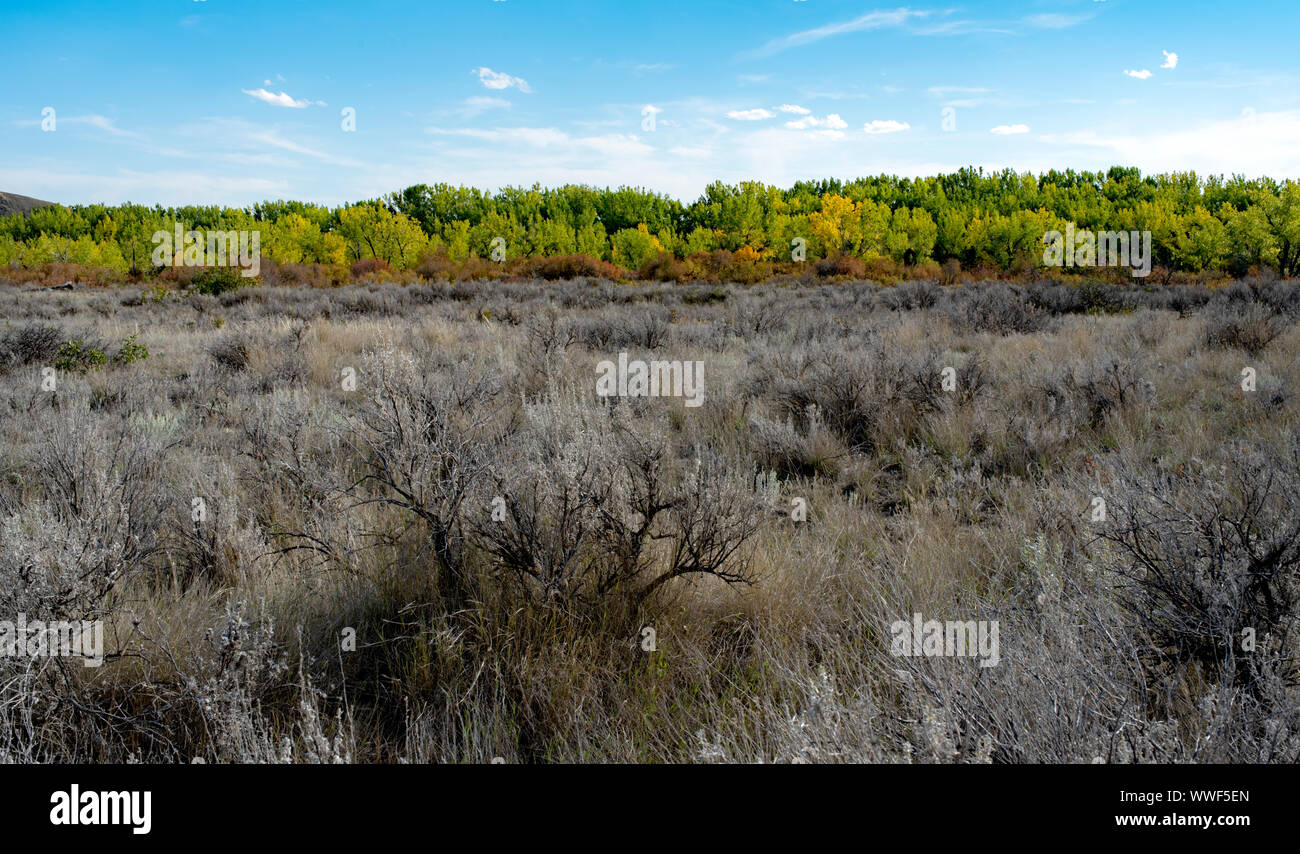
[(950, 272), (439, 267), (58, 272), (304, 275), (841, 265), (665, 267), (570, 267), (365, 266)]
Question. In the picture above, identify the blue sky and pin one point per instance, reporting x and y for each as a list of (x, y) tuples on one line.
[(233, 101)]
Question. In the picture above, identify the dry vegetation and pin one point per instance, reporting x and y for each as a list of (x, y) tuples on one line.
[(330, 510)]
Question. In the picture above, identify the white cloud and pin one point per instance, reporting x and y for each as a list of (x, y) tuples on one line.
[(869, 21), (500, 80), (831, 122), (610, 145), (941, 91), (750, 115), (1004, 130), (794, 108), (976, 95), (962, 27), (1171, 60), (885, 126), (1140, 75), (272, 138), (482, 103), (101, 122), (1055, 21), (279, 100), (1264, 141), (163, 187), (690, 151)]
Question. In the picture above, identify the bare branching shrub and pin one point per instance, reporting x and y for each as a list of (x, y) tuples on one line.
[(91, 521), (756, 316), (230, 352), (1110, 384), (1000, 309), (1209, 555), (424, 440), (1251, 327), (712, 521), (581, 494), (644, 327), (778, 446), (548, 337), (586, 494), (870, 395), (29, 344), (911, 296)]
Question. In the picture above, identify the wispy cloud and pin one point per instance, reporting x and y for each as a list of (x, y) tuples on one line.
[(275, 140), (139, 140), (975, 95), (164, 187), (962, 27), (610, 145), (831, 122), (480, 104), (1005, 130), (750, 115), (870, 21), (1055, 20), (1266, 141), (943, 91), (101, 123), (1140, 75)]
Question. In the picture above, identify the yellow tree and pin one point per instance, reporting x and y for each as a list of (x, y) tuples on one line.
[(835, 227), (373, 231)]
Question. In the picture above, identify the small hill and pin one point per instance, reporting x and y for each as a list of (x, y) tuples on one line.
[(11, 203)]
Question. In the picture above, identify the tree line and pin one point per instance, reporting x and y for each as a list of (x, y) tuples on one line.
[(979, 219)]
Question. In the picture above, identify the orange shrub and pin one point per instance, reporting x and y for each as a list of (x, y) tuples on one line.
[(841, 265), (368, 265), (570, 267), (665, 267)]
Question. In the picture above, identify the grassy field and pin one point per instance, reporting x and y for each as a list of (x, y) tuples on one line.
[(396, 523)]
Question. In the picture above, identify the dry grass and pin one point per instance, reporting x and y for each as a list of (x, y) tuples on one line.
[(515, 628)]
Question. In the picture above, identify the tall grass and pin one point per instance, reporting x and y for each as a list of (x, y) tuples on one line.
[(424, 537)]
